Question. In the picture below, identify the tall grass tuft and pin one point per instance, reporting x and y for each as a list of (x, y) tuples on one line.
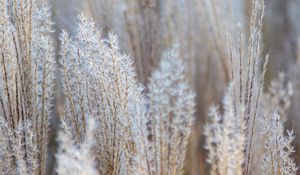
[(278, 147), (111, 124), (76, 159), (226, 138), (26, 73), (232, 137), (99, 82), (171, 109)]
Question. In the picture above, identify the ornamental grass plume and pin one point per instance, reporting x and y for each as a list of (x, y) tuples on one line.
[(276, 99), (171, 109), (76, 159), (26, 71), (110, 124), (226, 138), (99, 81), (246, 102), (278, 147)]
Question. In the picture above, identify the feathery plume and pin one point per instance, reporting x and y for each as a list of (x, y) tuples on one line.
[(26, 71)]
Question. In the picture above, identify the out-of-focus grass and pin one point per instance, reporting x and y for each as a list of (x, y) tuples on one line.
[(147, 27)]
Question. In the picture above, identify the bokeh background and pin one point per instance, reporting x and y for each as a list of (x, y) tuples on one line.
[(200, 27)]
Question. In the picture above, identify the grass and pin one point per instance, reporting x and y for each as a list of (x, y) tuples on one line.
[(123, 115)]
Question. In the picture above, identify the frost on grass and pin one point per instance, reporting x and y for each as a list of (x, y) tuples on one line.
[(26, 73), (278, 96), (99, 81), (76, 159), (225, 138), (134, 134), (171, 109), (278, 147), (275, 100)]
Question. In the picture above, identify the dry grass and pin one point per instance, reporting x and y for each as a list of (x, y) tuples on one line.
[(26, 86), (112, 124)]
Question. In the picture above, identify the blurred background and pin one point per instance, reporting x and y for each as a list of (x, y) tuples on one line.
[(148, 27)]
